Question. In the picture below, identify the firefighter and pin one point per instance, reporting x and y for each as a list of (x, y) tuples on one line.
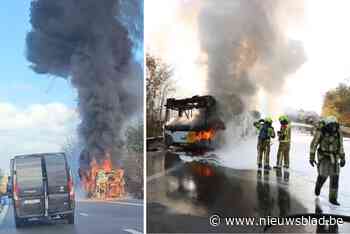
[(266, 132), (258, 125), (284, 138), (328, 142)]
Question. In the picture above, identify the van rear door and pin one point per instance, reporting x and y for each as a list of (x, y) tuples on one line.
[(28, 186), (57, 183)]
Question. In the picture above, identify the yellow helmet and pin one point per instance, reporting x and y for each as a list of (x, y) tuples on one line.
[(283, 118), (268, 120)]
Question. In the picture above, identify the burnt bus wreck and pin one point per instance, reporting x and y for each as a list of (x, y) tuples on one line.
[(192, 125)]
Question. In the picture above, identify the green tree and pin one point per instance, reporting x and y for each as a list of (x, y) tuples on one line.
[(133, 163), (337, 103), (134, 137)]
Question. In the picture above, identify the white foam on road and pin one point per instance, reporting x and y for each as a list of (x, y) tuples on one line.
[(209, 158), (132, 231), (161, 174), (243, 155)]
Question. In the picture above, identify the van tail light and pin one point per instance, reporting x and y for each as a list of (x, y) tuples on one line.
[(15, 194), (71, 188), (15, 191)]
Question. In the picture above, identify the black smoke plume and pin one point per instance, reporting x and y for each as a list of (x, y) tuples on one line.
[(86, 42)]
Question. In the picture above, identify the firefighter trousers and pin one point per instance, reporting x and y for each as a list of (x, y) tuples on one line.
[(264, 152), (283, 154), (328, 169)]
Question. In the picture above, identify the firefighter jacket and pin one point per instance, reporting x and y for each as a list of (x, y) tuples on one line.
[(327, 145), (284, 134)]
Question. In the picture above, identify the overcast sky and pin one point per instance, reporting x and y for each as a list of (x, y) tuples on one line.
[(37, 113)]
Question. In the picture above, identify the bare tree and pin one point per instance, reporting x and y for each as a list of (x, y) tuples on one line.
[(158, 86)]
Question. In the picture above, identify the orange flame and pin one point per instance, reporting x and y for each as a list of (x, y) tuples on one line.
[(107, 165), (206, 135), (194, 137), (202, 170), (112, 187)]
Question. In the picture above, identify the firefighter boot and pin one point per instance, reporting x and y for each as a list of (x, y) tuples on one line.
[(333, 189), (319, 183)]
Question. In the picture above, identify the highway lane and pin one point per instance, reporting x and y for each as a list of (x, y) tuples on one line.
[(103, 217)]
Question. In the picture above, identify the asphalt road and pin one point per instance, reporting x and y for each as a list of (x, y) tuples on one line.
[(91, 217), (183, 193)]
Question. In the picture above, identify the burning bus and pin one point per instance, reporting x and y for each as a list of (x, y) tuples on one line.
[(101, 180), (192, 124)]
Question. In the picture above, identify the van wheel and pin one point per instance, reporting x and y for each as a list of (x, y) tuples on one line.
[(19, 222), (70, 218)]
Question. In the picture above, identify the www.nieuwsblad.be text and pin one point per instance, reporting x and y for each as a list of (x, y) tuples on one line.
[(216, 220)]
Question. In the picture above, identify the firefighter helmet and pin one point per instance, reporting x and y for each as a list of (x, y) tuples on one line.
[(268, 120)]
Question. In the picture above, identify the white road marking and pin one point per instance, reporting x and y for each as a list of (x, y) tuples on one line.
[(84, 214), (126, 203), (120, 202), (3, 214), (132, 231)]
